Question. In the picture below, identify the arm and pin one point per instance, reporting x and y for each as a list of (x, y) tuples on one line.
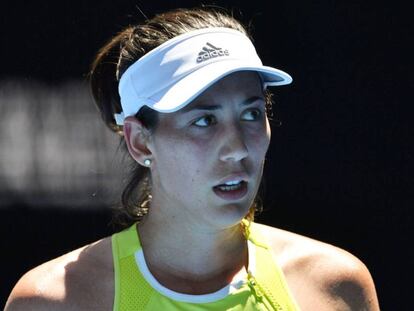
[(28, 295), (351, 287), (80, 280)]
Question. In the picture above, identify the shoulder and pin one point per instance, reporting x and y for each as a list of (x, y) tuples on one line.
[(313, 268), (81, 279)]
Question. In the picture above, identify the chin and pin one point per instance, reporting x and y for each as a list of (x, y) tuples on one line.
[(229, 215)]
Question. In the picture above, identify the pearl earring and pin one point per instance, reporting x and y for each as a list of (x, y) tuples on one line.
[(147, 162)]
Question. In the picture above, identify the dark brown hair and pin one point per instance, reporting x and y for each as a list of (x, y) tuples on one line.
[(112, 61)]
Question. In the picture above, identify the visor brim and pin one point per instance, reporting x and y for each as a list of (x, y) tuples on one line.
[(182, 92)]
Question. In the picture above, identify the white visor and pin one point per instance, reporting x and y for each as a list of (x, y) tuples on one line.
[(170, 76)]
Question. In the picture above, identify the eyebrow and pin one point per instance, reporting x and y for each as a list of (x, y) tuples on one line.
[(246, 102)]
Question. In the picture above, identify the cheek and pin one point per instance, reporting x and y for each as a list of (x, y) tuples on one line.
[(182, 155), (194, 149), (182, 169), (259, 140), (268, 135)]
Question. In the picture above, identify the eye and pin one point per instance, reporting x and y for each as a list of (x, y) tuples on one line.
[(205, 121), (255, 114)]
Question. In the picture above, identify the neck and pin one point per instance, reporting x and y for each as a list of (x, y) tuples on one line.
[(178, 252)]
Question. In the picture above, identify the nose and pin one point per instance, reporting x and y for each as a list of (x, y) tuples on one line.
[(233, 147)]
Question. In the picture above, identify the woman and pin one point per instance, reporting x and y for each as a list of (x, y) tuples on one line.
[(191, 109)]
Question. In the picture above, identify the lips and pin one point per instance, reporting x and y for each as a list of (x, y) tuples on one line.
[(236, 194), (233, 177), (232, 195)]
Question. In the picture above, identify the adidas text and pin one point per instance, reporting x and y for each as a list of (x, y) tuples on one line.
[(210, 51)]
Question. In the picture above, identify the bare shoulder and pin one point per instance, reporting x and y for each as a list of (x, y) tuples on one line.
[(322, 275), (81, 279)]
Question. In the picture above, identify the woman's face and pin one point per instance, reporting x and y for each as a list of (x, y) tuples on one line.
[(223, 134)]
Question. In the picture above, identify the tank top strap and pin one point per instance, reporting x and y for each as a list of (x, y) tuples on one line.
[(127, 242), (132, 292), (268, 277)]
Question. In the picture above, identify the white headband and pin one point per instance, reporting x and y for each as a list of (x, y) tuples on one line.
[(170, 76)]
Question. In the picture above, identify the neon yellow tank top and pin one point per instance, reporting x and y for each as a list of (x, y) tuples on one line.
[(262, 288)]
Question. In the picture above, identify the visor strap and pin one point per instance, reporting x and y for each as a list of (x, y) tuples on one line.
[(119, 118)]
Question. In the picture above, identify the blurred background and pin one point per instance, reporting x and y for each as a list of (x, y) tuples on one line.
[(338, 168)]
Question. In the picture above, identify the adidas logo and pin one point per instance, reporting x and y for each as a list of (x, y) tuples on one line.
[(210, 51)]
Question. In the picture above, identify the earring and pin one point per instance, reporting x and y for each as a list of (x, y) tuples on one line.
[(147, 162)]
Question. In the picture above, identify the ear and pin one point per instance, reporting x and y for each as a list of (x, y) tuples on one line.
[(137, 137)]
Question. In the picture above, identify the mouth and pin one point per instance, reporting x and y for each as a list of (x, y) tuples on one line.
[(231, 191)]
